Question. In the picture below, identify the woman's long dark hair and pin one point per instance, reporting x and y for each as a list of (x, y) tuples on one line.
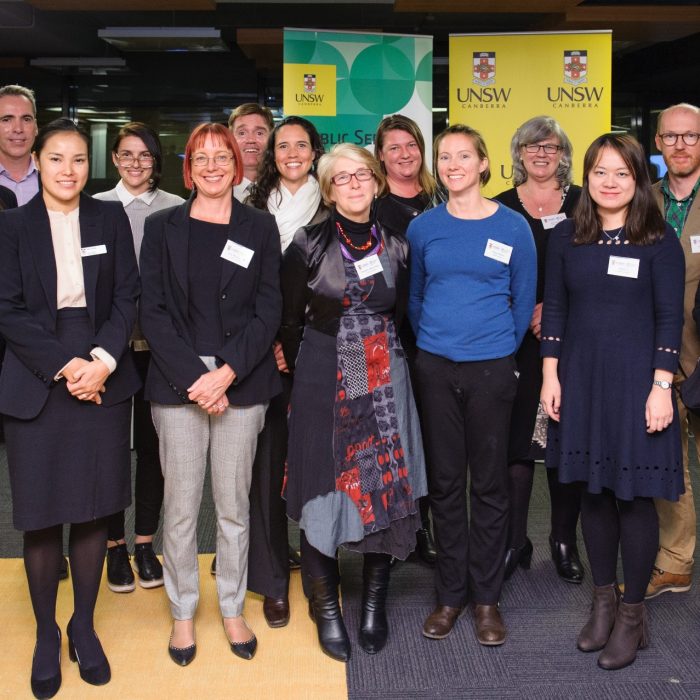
[(268, 175), (644, 224)]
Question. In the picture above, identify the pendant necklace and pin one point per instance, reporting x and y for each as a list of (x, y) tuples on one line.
[(612, 238)]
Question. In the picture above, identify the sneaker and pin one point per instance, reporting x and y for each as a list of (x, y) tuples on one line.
[(148, 568), (666, 582), (120, 577)]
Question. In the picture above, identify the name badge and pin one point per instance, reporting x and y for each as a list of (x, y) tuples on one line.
[(623, 267), (695, 244), (498, 251), (368, 266), (237, 254), (93, 250), (552, 220)]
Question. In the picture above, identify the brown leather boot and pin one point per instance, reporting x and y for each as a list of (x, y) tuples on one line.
[(631, 632), (596, 631)]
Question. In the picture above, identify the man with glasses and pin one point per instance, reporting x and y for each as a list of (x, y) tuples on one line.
[(678, 139), (17, 133)]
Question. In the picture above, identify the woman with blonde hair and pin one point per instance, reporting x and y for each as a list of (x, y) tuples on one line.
[(355, 461)]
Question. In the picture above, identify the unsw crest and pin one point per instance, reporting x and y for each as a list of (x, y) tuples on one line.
[(309, 82), (484, 68), (575, 67)]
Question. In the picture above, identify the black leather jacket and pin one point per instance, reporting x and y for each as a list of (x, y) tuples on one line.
[(313, 282)]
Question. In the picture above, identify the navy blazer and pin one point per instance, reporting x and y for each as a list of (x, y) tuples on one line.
[(250, 307), (28, 310)]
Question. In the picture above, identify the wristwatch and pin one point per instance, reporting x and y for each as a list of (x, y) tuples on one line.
[(663, 383)]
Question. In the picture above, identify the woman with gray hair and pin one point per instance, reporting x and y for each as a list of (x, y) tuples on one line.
[(544, 195), (355, 465)]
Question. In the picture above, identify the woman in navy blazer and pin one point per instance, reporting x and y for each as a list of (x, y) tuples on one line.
[(210, 310), (68, 290)]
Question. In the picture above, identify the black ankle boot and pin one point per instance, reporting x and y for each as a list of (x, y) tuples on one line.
[(426, 544), (325, 609), (517, 556), (374, 628), (567, 561)]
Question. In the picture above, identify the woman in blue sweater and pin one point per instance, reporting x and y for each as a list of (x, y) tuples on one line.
[(472, 293)]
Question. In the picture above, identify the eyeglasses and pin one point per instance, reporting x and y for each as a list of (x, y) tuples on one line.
[(690, 138), (549, 148), (126, 159), (361, 175), (221, 159)]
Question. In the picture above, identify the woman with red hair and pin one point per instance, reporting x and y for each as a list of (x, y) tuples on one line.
[(210, 309)]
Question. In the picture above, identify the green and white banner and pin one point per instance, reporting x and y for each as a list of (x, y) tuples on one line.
[(346, 82)]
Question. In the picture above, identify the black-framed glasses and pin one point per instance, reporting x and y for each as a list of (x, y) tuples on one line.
[(144, 159), (690, 138), (361, 175), (221, 159), (549, 148)]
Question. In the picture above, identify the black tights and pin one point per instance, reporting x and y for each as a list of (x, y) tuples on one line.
[(564, 499), (633, 527), (42, 559)]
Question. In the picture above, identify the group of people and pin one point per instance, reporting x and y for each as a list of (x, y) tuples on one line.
[(356, 344)]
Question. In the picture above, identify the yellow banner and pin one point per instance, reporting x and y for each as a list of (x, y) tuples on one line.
[(497, 82), (310, 89)]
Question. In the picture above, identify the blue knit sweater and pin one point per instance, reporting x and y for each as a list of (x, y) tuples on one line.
[(464, 305)]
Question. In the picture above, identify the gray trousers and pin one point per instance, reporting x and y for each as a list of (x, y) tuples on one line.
[(188, 436)]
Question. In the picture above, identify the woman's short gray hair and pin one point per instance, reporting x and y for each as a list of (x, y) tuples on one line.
[(532, 131), (347, 150)]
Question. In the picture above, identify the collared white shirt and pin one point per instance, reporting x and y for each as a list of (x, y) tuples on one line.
[(126, 198), (242, 190)]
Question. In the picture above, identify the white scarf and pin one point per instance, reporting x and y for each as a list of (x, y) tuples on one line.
[(292, 211)]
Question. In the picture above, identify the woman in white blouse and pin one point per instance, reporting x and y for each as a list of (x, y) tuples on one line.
[(68, 290)]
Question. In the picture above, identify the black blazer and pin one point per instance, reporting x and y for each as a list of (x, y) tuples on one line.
[(313, 282), (250, 306), (7, 199), (28, 311)]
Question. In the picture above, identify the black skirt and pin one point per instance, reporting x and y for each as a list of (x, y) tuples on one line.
[(70, 464)]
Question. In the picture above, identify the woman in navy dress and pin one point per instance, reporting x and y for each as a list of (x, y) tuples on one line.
[(68, 289), (611, 331)]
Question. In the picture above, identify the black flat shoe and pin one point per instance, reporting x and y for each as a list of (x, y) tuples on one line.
[(182, 656), (99, 674), (518, 556), (567, 561), (245, 650), (48, 687)]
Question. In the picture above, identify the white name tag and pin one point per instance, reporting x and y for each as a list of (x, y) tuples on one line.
[(93, 250), (498, 251), (237, 254), (368, 266), (695, 244), (553, 220), (623, 267)]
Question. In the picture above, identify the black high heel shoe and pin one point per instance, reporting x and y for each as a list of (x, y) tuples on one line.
[(100, 674), (567, 561), (518, 556), (47, 687)]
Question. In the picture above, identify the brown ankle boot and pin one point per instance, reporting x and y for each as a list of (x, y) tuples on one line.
[(631, 632), (596, 631)]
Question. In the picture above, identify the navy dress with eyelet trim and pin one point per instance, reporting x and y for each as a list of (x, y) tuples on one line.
[(610, 332)]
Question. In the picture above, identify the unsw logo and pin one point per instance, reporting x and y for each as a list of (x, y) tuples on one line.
[(484, 68), (575, 67), (309, 82)]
